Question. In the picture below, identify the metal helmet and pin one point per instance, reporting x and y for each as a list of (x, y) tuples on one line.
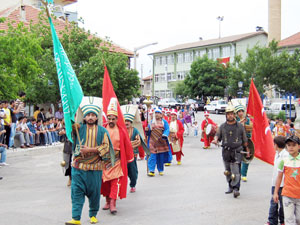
[(229, 108)]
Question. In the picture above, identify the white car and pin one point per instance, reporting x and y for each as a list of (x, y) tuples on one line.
[(217, 107), (278, 107), (168, 103)]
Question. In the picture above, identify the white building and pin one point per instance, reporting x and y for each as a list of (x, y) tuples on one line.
[(173, 64)]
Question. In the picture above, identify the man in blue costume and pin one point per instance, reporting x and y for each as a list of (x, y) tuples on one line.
[(158, 132), (92, 150)]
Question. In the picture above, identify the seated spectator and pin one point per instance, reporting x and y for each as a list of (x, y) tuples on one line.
[(48, 133), (3, 148), (49, 114), (42, 133), (23, 133), (59, 114), (52, 130), (34, 138), (41, 115)]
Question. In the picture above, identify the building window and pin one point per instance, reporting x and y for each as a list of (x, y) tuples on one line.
[(157, 62), (170, 59), (180, 75), (168, 94), (163, 94), (180, 58), (156, 78), (164, 61), (210, 54), (157, 93), (216, 53), (162, 77), (202, 53), (226, 51), (197, 54), (160, 60), (173, 76), (188, 57), (169, 76)]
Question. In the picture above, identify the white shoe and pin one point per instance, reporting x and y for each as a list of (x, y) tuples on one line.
[(4, 164)]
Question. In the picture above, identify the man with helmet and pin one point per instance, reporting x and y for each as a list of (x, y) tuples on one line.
[(242, 118), (233, 137)]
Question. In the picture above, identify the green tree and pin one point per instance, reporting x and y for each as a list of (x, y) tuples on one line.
[(207, 78), (27, 63)]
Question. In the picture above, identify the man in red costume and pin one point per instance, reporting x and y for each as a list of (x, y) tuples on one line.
[(115, 179), (176, 136), (204, 138)]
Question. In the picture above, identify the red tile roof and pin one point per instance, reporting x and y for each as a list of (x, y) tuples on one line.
[(293, 40), (148, 78), (13, 16)]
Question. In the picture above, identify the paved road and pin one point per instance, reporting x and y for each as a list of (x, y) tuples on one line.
[(34, 191)]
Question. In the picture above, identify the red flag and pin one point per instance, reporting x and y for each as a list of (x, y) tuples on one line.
[(224, 61), (108, 93), (261, 134)]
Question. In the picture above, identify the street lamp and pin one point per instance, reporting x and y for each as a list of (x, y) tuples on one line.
[(240, 85), (139, 48), (220, 18)]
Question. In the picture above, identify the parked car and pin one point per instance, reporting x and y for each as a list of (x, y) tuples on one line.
[(168, 103), (218, 106), (200, 104), (278, 107)]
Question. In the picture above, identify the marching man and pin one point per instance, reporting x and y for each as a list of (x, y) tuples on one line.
[(207, 139), (133, 122), (158, 132), (115, 179), (92, 149), (176, 136)]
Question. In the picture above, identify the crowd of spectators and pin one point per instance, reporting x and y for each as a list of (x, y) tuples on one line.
[(19, 130)]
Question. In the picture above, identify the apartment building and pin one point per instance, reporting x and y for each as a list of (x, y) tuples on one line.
[(172, 64)]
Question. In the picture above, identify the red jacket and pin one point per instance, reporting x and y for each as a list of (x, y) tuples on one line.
[(127, 156)]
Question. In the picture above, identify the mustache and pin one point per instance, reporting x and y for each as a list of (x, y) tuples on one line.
[(111, 123)]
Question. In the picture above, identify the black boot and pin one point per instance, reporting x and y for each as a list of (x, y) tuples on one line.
[(236, 193), (230, 190)]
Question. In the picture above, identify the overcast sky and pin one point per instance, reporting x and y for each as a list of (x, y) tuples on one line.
[(133, 23)]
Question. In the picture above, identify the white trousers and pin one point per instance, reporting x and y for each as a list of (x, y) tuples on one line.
[(291, 208)]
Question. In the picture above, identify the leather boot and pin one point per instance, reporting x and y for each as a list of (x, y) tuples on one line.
[(107, 205), (112, 205), (230, 190)]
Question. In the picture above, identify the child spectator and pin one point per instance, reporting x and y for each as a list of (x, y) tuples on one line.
[(196, 128), (280, 129), (290, 167), (292, 130), (275, 211)]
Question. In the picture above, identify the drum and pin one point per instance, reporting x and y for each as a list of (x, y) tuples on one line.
[(211, 130)]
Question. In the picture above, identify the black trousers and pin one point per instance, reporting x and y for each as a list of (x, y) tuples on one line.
[(7, 134)]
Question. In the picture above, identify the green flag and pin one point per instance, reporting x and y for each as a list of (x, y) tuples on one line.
[(70, 89)]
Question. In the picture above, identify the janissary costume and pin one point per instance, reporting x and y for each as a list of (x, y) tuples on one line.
[(158, 132), (234, 139), (246, 122), (115, 179), (176, 136), (87, 168), (136, 134), (205, 138)]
